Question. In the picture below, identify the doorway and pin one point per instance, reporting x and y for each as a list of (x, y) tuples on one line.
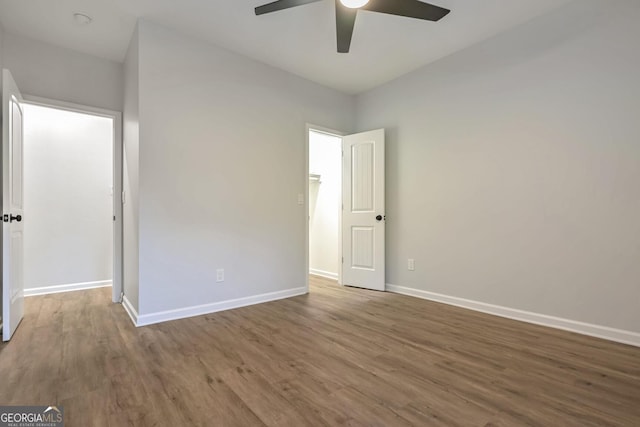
[(325, 199), (72, 238), (353, 252)]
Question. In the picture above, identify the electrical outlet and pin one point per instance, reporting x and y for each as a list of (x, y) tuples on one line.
[(220, 275), (411, 264)]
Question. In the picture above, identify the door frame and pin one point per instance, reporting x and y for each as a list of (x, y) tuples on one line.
[(320, 129), (117, 177)]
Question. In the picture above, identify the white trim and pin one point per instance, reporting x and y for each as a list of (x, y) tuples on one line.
[(306, 213), (128, 307), (322, 273), (69, 106), (605, 332), (198, 310), (69, 287)]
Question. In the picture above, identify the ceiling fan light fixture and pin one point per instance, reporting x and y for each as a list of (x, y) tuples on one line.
[(347, 11), (354, 4)]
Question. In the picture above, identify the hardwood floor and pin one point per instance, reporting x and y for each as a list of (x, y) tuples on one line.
[(338, 356)]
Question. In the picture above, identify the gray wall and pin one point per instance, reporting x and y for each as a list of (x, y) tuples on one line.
[(49, 71), (131, 136), (514, 168), (221, 165)]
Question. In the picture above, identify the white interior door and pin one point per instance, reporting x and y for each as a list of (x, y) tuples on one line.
[(12, 207), (363, 210)]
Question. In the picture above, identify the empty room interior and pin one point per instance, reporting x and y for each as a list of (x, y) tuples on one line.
[(321, 212)]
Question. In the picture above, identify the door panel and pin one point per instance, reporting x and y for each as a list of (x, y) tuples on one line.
[(362, 175), (12, 207), (16, 154), (362, 247), (363, 201)]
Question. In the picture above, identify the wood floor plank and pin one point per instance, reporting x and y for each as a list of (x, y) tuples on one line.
[(335, 357)]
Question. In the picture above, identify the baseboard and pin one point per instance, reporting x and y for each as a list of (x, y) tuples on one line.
[(66, 288), (612, 334), (128, 307), (325, 274), (198, 310)]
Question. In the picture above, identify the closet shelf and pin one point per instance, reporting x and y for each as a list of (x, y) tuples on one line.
[(314, 177)]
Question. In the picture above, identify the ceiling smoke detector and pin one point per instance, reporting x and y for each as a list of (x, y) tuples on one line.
[(82, 19)]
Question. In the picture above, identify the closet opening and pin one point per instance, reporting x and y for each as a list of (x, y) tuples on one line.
[(325, 204)]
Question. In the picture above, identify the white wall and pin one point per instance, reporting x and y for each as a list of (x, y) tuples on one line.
[(514, 168), (222, 161), (325, 198), (53, 72), (130, 173), (68, 178)]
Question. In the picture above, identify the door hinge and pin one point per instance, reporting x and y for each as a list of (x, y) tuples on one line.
[(124, 197), (343, 260), (114, 218)]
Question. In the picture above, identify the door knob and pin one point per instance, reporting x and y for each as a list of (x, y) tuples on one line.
[(17, 218), (379, 218)]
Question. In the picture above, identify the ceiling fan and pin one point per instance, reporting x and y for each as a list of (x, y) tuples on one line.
[(346, 11)]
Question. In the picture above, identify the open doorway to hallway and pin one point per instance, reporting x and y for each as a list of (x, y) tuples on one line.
[(68, 199)]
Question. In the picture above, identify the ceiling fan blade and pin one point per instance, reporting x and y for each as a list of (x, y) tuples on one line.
[(408, 8), (280, 5), (345, 21)]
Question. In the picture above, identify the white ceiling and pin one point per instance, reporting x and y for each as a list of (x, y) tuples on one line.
[(300, 40)]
